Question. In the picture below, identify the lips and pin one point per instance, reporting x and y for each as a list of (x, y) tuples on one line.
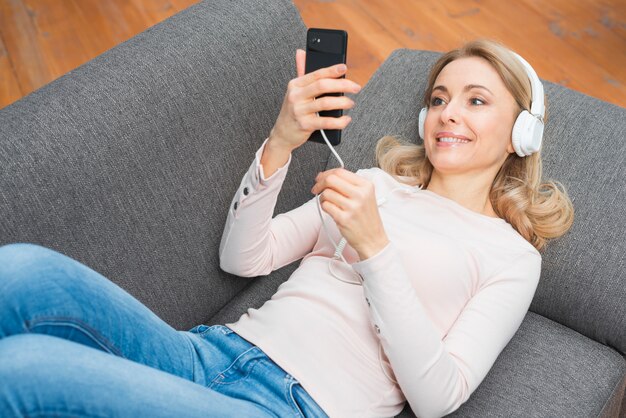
[(451, 138)]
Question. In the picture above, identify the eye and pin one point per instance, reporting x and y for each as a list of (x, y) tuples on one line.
[(436, 101), (477, 102)]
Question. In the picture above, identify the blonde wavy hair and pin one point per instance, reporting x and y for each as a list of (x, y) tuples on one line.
[(538, 210)]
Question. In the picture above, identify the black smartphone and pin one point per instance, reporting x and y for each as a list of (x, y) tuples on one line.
[(325, 48)]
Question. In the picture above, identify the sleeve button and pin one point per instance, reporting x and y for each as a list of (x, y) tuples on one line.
[(368, 301), (235, 205), (377, 329), (245, 191)]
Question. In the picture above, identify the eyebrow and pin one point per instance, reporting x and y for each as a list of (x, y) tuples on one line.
[(466, 88)]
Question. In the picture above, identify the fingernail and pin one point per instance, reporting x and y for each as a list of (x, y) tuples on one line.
[(342, 68)]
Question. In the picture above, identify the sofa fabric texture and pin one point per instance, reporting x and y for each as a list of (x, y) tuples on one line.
[(129, 163)]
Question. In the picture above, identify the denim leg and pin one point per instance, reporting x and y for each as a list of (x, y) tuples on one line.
[(45, 292), (248, 373), (60, 321), (42, 375)]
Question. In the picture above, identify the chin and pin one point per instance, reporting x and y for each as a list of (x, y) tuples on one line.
[(449, 165)]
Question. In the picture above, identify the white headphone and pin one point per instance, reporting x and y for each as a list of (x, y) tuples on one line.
[(528, 128)]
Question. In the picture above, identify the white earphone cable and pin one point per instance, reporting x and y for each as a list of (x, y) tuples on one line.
[(342, 243), (330, 146)]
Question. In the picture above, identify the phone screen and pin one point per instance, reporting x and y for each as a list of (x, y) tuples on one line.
[(325, 48)]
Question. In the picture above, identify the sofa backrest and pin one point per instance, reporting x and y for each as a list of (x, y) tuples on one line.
[(129, 163), (583, 280)]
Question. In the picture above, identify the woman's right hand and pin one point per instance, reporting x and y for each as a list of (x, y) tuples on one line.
[(298, 117)]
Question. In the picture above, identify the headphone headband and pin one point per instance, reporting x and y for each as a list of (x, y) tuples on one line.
[(537, 107)]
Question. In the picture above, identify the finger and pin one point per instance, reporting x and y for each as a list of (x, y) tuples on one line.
[(337, 199), (347, 175), (315, 123), (326, 173), (300, 60), (326, 103), (322, 175), (333, 71), (329, 85), (334, 211), (335, 182)]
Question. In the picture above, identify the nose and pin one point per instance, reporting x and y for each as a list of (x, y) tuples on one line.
[(450, 113)]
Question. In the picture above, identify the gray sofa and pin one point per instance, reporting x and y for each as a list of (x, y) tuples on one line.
[(129, 163)]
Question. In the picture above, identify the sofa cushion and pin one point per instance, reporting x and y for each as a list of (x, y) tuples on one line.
[(583, 284), (129, 163), (548, 370)]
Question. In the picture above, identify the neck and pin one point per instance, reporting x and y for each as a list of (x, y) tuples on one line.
[(470, 191)]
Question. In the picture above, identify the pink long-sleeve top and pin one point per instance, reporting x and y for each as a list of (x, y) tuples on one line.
[(433, 311)]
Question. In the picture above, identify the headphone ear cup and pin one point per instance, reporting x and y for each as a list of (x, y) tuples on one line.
[(527, 134), (518, 133), (422, 119)]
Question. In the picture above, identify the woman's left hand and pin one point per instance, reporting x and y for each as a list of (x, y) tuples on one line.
[(350, 200)]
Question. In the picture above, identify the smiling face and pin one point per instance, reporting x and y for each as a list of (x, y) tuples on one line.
[(470, 118)]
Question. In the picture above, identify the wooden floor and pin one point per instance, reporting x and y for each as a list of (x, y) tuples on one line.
[(577, 43)]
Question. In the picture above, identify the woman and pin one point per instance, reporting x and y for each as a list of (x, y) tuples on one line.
[(440, 266)]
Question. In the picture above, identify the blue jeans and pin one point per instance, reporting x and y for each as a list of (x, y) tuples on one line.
[(73, 343)]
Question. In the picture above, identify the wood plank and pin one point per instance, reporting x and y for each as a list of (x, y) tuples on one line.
[(23, 45), (581, 25), (112, 22), (494, 19), (369, 43), (612, 14), (9, 85), (557, 59), (579, 44), (63, 41), (417, 25), (152, 11), (180, 5)]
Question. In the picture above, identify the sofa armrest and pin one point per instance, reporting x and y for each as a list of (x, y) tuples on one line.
[(129, 162)]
